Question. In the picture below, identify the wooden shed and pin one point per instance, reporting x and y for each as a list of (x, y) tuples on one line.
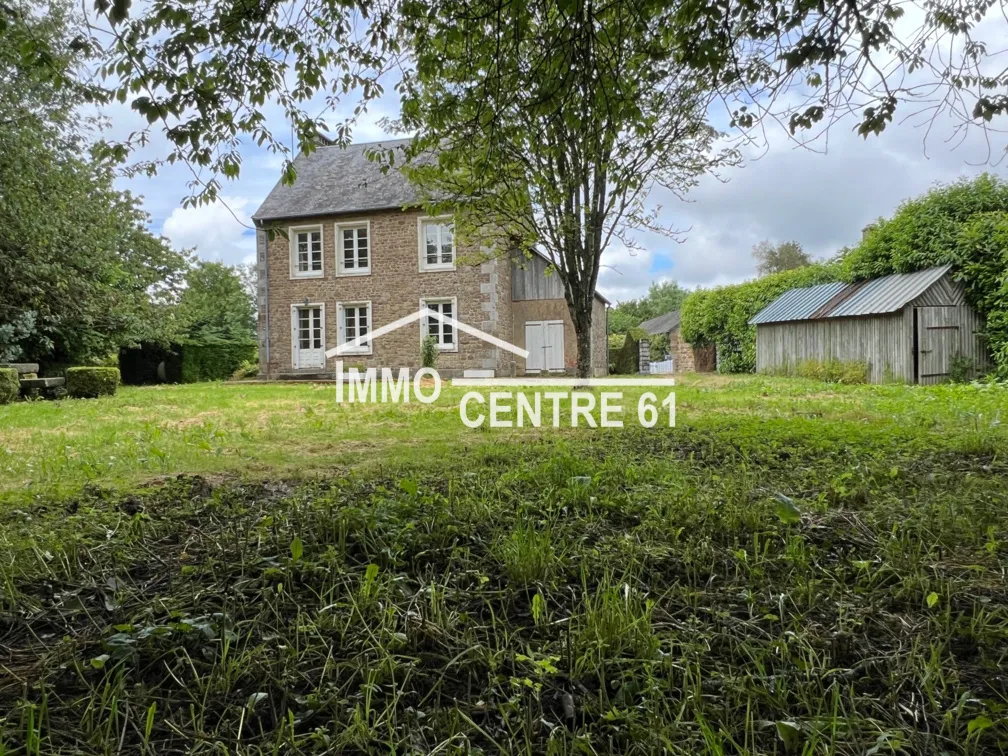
[(906, 327)]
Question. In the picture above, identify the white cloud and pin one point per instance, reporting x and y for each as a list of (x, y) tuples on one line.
[(219, 231)]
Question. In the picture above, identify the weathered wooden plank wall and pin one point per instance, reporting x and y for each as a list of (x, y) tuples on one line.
[(882, 341), (529, 281)]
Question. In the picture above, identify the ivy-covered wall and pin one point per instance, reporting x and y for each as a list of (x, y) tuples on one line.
[(721, 316)]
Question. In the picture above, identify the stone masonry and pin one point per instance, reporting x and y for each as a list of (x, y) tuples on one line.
[(394, 288)]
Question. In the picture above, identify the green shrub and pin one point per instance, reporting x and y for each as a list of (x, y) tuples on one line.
[(834, 371), (247, 369), (627, 358), (429, 352), (659, 347), (721, 316), (214, 362), (9, 385), (91, 382)]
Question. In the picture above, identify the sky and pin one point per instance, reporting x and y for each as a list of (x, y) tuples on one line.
[(820, 196)]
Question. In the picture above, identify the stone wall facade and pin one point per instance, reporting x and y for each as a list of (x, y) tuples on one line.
[(395, 287), (480, 284), (682, 353)]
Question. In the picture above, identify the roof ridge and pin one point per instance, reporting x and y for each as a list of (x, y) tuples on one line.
[(333, 143)]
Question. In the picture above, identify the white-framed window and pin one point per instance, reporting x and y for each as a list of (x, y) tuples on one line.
[(353, 248), (306, 251), (354, 322), (437, 243), (444, 333)]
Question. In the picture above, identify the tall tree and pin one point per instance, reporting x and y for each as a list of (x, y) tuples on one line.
[(80, 274), (662, 297), (589, 111), (215, 305), (775, 258)]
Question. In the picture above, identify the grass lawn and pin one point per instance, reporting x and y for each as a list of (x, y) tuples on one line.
[(251, 568)]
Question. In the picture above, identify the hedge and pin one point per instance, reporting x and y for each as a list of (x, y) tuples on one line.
[(140, 365), (9, 385), (91, 382), (214, 362), (964, 224), (721, 316)]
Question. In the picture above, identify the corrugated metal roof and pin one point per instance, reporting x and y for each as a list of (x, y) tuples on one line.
[(798, 304), (889, 293), (875, 297), (661, 324)]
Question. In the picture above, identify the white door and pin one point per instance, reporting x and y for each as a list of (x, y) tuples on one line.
[(535, 343), (554, 345), (544, 340), (308, 337)]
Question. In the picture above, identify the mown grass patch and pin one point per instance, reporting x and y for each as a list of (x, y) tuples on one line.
[(793, 569)]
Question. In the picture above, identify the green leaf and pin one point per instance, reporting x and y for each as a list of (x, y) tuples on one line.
[(787, 510), (932, 600), (99, 661), (790, 734), (296, 549), (978, 724)]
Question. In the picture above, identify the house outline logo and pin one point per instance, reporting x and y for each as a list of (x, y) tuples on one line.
[(348, 347)]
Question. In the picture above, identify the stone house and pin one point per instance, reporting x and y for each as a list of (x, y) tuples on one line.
[(685, 357), (347, 248)]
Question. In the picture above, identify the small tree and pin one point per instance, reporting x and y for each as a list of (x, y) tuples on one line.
[(552, 134), (772, 258)]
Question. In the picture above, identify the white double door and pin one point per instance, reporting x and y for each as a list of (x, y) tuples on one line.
[(544, 340), (308, 336)]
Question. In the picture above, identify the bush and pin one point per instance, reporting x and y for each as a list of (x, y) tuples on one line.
[(428, 352), (91, 382), (9, 385), (247, 369), (834, 371), (627, 358), (214, 362), (721, 316), (659, 347)]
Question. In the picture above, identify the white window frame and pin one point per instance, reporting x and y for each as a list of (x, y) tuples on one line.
[(294, 332), (292, 233), (341, 329), (453, 301), (446, 220), (339, 228)]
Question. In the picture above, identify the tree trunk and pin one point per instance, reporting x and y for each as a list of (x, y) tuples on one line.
[(582, 328)]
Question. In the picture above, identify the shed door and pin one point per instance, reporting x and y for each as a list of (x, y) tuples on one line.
[(937, 342), (544, 340), (535, 343), (554, 355)]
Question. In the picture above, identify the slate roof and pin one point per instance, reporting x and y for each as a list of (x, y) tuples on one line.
[(837, 300), (333, 180), (661, 324)]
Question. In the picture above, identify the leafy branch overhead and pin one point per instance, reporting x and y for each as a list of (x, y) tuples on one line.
[(206, 73)]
